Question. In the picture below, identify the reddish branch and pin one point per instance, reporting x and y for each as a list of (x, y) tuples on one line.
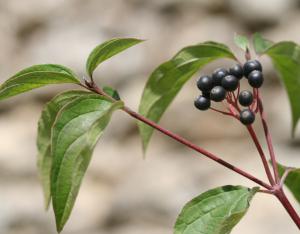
[(276, 185)]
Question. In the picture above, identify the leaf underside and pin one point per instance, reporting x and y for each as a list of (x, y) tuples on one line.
[(216, 211), (36, 77), (166, 81), (286, 59), (45, 124), (76, 130)]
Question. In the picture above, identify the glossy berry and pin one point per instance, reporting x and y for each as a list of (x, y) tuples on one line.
[(205, 83), (250, 66), (245, 98), (218, 94), (237, 71), (247, 117), (230, 83), (218, 75), (202, 103), (255, 79)]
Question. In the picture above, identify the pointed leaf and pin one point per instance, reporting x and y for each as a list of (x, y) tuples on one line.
[(261, 44), (241, 41), (35, 77), (292, 181), (216, 211), (45, 124), (168, 79), (75, 132), (286, 60), (106, 50)]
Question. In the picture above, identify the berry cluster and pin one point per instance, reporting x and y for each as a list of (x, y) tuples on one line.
[(222, 84)]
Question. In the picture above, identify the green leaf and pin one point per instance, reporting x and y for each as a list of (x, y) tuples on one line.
[(108, 49), (167, 80), (286, 59), (75, 132), (45, 124), (35, 77), (216, 211), (292, 181), (261, 44), (112, 92), (241, 41)]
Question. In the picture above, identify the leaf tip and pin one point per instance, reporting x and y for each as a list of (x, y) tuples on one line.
[(241, 41)]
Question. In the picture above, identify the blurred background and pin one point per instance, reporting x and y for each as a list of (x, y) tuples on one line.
[(122, 193)]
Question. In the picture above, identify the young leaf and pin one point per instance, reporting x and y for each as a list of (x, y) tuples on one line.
[(167, 80), (35, 77), (286, 60), (292, 181), (106, 50), (241, 41), (111, 92), (45, 124), (75, 132), (261, 44), (216, 211)]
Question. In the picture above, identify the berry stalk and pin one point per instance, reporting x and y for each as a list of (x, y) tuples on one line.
[(94, 88), (268, 139), (261, 153)]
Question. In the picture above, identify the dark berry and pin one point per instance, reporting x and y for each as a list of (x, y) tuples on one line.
[(202, 103), (245, 98), (230, 83), (237, 71), (255, 79), (247, 117), (206, 94), (205, 83), (218, 75), (218, 94), (250, 66)]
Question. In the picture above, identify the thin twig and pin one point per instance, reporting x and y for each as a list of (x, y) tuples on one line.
[(222, 112), (184, 141), (268, 138), (266, 191), (261, 153)]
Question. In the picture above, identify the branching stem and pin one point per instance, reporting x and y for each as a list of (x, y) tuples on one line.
[(276, 186), (184, 141), (268, 138)]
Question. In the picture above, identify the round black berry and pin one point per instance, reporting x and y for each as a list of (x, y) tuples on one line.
[(237, 71), (218, 94), (250, 66), (255, 79), (245, 98), (230, 83), (206, 94), (218, 75), (247, 117), (202, 103), (205, 83)]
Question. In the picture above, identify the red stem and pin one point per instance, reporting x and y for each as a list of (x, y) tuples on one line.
[(268, 139), (183, 141), (270, 189), (221, 112), (288, 207), (261, 153), (195, 147)]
